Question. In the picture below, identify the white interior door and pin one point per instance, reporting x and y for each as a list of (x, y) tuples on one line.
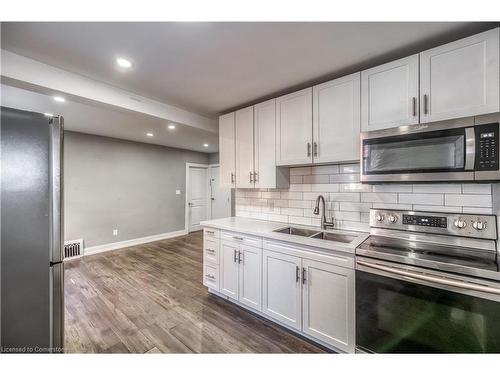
[(197, 197), (220, 197)]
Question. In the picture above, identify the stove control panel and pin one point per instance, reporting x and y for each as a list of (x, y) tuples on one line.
[(427, 221), (463, 225)]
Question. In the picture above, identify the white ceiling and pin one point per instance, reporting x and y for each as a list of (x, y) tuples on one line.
[(212, 67), (104, 120)]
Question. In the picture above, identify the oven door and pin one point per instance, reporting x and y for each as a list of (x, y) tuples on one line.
[(406, 309), (436, 152)]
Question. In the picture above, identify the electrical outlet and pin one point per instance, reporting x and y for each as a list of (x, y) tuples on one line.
[(178, 192), (115, 232)]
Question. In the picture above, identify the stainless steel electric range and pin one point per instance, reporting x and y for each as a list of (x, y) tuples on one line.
[(428, 282)]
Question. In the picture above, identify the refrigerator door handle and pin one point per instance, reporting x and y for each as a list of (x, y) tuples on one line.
[(56, 189)]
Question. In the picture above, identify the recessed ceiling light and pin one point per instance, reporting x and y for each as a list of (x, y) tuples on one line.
[(150, 134), (59, 99), (171, 126), (48, 114), (124, 63), (205, 144)]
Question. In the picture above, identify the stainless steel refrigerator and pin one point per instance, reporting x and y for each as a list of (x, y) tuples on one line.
[(32, 272)]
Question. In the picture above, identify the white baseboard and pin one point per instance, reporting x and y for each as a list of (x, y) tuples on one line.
[(135, 241)]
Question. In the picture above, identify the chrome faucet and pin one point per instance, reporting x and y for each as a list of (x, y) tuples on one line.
[(324, 223)]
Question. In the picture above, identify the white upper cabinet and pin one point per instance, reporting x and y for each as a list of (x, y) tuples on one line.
[(389, 94), (336, 120), (461, 78), (244, 148), (328, 304), (294, 128), (265, 144), (227, 157)]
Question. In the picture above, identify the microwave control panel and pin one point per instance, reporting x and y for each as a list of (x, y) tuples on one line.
[(487, 147)]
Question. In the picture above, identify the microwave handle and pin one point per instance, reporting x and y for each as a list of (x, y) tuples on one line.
[(470, 149)]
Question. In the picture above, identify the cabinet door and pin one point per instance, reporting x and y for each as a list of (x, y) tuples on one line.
[(461, 78), (265, 144), (244, 148), (336, 120), (328, 304), (294, 128), (229, 269), (250, 292), (389, 94), (227, 144), (282, 288)]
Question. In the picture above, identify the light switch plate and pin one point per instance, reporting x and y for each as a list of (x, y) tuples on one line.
[(178, 192)]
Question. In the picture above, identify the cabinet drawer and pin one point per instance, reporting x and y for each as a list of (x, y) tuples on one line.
[(211, 250), (211, 275), (243, 239), (211, 232)]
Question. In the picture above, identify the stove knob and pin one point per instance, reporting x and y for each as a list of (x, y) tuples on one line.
[(379, 217), (479, 225), (460, 224), (392, 218)]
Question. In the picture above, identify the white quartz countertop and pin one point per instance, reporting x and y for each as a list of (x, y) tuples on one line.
[(265, 229)]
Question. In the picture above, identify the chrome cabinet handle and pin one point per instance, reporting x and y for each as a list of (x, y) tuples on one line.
[(426, 104), (251, 174), (315, 149), (238, 238), (255, 177), (235, 257), (303, 275), (210, 231), (210, 250), (308, 149), (414, 106), (433, 279), (239, 257), (297, 274), (210, 276), (232, 177)]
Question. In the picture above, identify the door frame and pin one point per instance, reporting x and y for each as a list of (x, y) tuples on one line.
[(186, 200)]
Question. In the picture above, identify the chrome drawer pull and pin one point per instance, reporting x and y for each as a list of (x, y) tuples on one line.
[(238, 238)]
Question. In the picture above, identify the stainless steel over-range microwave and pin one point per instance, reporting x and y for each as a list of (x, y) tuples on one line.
[(464, 149)]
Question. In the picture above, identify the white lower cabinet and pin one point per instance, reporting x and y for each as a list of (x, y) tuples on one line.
[(282, 289), (309, 292), (328, 303), (241, 273)]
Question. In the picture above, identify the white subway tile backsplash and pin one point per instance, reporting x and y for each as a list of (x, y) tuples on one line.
[(345, 197), (353, 186), (349, 168), (421, 198), (476, 188), (301, 171), (351, 206), (437, 188), (349, 201), (331, 188), (423, 207), (292, 211), (316, 179), (379, 197), (392, 188), (348, 177), (291, 195), (325, 169), (468, 200)]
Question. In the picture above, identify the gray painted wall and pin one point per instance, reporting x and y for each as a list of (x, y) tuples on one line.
[(111, 183), (213, 158)]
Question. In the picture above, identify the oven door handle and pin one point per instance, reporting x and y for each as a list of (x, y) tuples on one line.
[(432, 279), (470, 149)]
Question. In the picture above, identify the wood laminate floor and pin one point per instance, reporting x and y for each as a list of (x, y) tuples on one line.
[(150, 299)]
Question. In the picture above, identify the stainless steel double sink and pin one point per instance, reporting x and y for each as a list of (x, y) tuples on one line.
[(337, 237)]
